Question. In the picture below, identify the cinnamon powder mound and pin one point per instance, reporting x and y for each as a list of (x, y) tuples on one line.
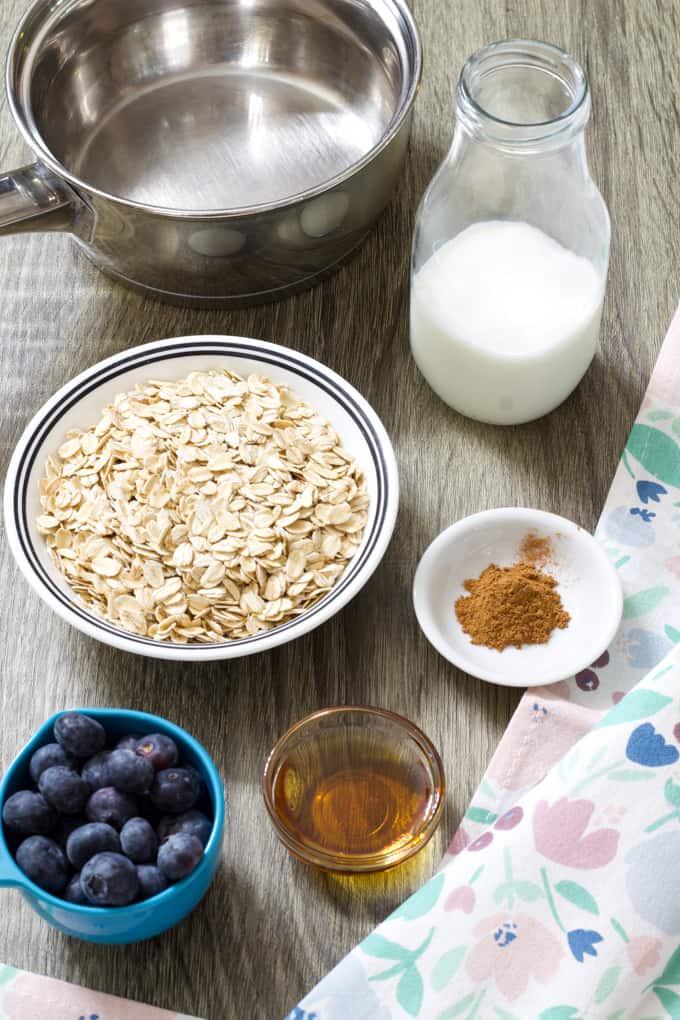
[(512, 606)]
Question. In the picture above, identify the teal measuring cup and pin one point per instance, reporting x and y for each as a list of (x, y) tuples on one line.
[(144, 920)]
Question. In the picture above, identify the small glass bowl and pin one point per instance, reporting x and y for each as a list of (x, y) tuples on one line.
[(354, 789)]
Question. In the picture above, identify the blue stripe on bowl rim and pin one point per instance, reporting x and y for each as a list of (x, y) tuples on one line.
[(306, 369)]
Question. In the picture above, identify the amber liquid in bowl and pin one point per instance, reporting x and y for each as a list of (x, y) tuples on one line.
[(357, 792)]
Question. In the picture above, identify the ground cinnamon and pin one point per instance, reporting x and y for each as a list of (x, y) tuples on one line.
[(512, 606), (536, 550)]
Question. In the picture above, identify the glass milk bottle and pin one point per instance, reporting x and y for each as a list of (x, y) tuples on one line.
[(511, 243)]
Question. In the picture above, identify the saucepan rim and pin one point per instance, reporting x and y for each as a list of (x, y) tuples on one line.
[(40, 11)]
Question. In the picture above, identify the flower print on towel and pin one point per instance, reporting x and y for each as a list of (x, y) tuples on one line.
[(628, 529), (559, 834), (459, 842), (461, 898), (644, 953), (643, 649), (647, 747), (653, 881), (582, 942), (513, 949), (650, 492)]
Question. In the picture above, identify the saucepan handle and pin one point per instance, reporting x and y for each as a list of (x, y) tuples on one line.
[(35, 199)]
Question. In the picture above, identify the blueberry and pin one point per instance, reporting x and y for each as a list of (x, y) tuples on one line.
[(79, 735), (128, 772), (28, 813), (138, 841), (94, 770), (45, 757), (151, 881), (64, 789), (148, 811), (193, 822), (66, 824), (111, 806), (160, 750), (128, 742), (90, 839), (109, 880), (175, 790), (44, 862), (74, 892), (179, 855), (197, 777)]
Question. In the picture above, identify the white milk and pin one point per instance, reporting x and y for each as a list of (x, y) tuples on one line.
[(505, 321)]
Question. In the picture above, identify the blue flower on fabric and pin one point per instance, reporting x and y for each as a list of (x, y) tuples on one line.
[(505, 934), (647, 747), (650, 491), (646, 515), (582, 942), (299, 1014)]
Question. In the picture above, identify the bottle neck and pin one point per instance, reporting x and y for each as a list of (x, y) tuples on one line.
[(523, 98)]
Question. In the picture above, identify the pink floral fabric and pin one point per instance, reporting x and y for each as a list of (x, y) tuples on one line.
[(26, 996), (513, 950), (559, 834)]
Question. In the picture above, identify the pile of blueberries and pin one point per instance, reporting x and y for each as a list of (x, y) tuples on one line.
[(107, 827)]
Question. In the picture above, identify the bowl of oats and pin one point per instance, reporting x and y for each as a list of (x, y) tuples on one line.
[(201, 498)]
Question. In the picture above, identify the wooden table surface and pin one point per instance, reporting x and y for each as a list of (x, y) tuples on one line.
[(270, 928)]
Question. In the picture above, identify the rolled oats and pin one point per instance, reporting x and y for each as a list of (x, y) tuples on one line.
[(207, 509)]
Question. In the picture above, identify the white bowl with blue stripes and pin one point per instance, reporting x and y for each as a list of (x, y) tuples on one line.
[(79, 404)]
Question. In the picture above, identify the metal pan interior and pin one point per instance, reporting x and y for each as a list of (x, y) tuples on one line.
[(215, 104)]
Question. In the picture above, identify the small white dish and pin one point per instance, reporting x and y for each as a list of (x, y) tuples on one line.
[(587, 583), (81, 401)]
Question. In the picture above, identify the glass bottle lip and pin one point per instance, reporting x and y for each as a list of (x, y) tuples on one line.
[(524, 53)]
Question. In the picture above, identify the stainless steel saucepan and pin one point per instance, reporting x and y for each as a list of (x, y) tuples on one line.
[(211, 151)]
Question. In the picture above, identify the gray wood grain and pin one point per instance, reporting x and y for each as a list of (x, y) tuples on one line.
[(270, 928)]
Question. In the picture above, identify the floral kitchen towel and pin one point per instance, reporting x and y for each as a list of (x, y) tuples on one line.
[(25, 996), (567, 907)]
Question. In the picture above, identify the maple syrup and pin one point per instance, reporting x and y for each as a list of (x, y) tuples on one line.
[(358, 791)]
